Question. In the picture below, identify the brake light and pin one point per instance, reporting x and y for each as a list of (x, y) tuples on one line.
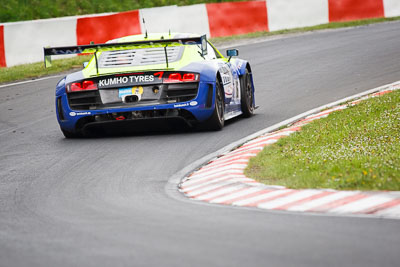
[(82, 86), (75, 87), (89, 85), (174, 78), (184, 77), (188, 77)]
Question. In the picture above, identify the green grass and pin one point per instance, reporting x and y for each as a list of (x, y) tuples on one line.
[(356, 148), (17, 10), (36, 70), (332, 25)]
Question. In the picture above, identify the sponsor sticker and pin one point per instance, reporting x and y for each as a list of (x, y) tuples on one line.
[(181, 105), (73, 114), (83, 113), (136, 90), (193, 103), (124, 91), (127, 80)]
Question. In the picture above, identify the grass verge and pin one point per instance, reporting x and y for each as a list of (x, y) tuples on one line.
[(35, 70), (356, 148)]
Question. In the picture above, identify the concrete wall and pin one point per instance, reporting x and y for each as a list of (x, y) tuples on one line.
[(287, 14)]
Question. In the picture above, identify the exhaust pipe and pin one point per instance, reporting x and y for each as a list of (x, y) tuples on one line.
[(130, 99)]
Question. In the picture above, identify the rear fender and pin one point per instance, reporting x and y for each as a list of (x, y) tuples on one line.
[(60, 88), (209, 71)]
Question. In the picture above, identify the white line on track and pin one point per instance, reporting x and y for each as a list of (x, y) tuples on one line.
[(392, 212), (30, 81)]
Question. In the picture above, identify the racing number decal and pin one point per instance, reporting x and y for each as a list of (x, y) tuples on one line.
[(227, 78), (159, 74), (236, 82), (230, 81)]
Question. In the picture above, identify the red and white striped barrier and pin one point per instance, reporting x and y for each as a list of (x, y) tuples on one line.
[(23, 42), (231, 18), (222, 181), (100, 29), (2, 50)]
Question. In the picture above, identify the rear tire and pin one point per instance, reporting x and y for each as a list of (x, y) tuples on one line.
[(246, 95), (216, 122), (70, 135)]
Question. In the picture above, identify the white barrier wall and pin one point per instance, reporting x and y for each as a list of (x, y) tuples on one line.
[(24, 41), (194, 19), (187, 19), (289, 14), (159, 19), (392, 8)]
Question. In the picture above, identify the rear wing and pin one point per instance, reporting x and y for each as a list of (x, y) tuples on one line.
[(94, 48)]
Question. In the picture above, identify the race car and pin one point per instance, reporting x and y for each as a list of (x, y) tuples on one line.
[(158, 78)]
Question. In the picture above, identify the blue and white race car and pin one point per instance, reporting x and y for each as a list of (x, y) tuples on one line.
[(157, 78)]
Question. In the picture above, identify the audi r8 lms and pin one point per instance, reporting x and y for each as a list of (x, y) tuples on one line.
[(154, 78)]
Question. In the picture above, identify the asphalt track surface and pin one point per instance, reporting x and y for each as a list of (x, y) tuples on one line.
[(102, 201)]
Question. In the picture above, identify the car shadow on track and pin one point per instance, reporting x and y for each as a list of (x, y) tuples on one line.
[(144, 128)]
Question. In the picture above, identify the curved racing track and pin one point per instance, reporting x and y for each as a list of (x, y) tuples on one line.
[(102, 202)]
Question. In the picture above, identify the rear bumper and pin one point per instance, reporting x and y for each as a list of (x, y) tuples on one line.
[(190, 112)]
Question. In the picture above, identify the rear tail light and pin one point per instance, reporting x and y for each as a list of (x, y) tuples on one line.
[(189, 77), (82, 86), (174, 78), (181, 77)]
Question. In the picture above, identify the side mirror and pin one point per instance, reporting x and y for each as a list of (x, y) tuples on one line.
[(232, 53), (85, 64)]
